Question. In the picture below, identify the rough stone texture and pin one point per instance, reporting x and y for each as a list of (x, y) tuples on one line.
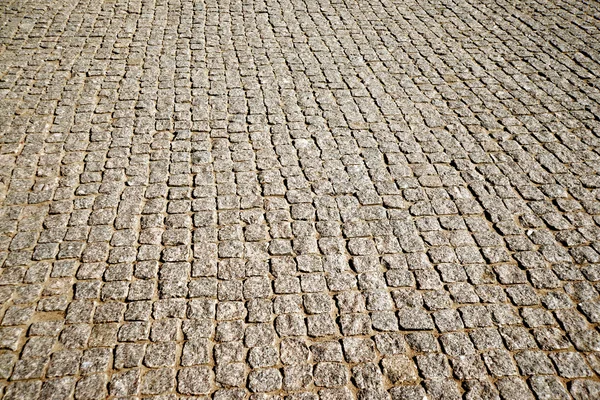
[(299, 199)]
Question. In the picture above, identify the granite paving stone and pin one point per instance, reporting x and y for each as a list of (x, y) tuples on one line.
[(299, 199)]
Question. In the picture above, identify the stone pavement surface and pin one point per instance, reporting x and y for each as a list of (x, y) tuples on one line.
[(299, 199)]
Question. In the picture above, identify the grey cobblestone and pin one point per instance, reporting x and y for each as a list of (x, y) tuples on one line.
[(299, 199)]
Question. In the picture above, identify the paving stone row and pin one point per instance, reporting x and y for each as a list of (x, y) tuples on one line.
[(299, 199)]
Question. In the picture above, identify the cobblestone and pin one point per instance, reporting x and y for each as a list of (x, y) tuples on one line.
[(299, 199)]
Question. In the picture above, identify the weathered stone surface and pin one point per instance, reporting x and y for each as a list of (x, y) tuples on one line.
[(291, 199)]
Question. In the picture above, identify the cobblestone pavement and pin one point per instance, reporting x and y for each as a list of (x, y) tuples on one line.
[(299, 199)]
